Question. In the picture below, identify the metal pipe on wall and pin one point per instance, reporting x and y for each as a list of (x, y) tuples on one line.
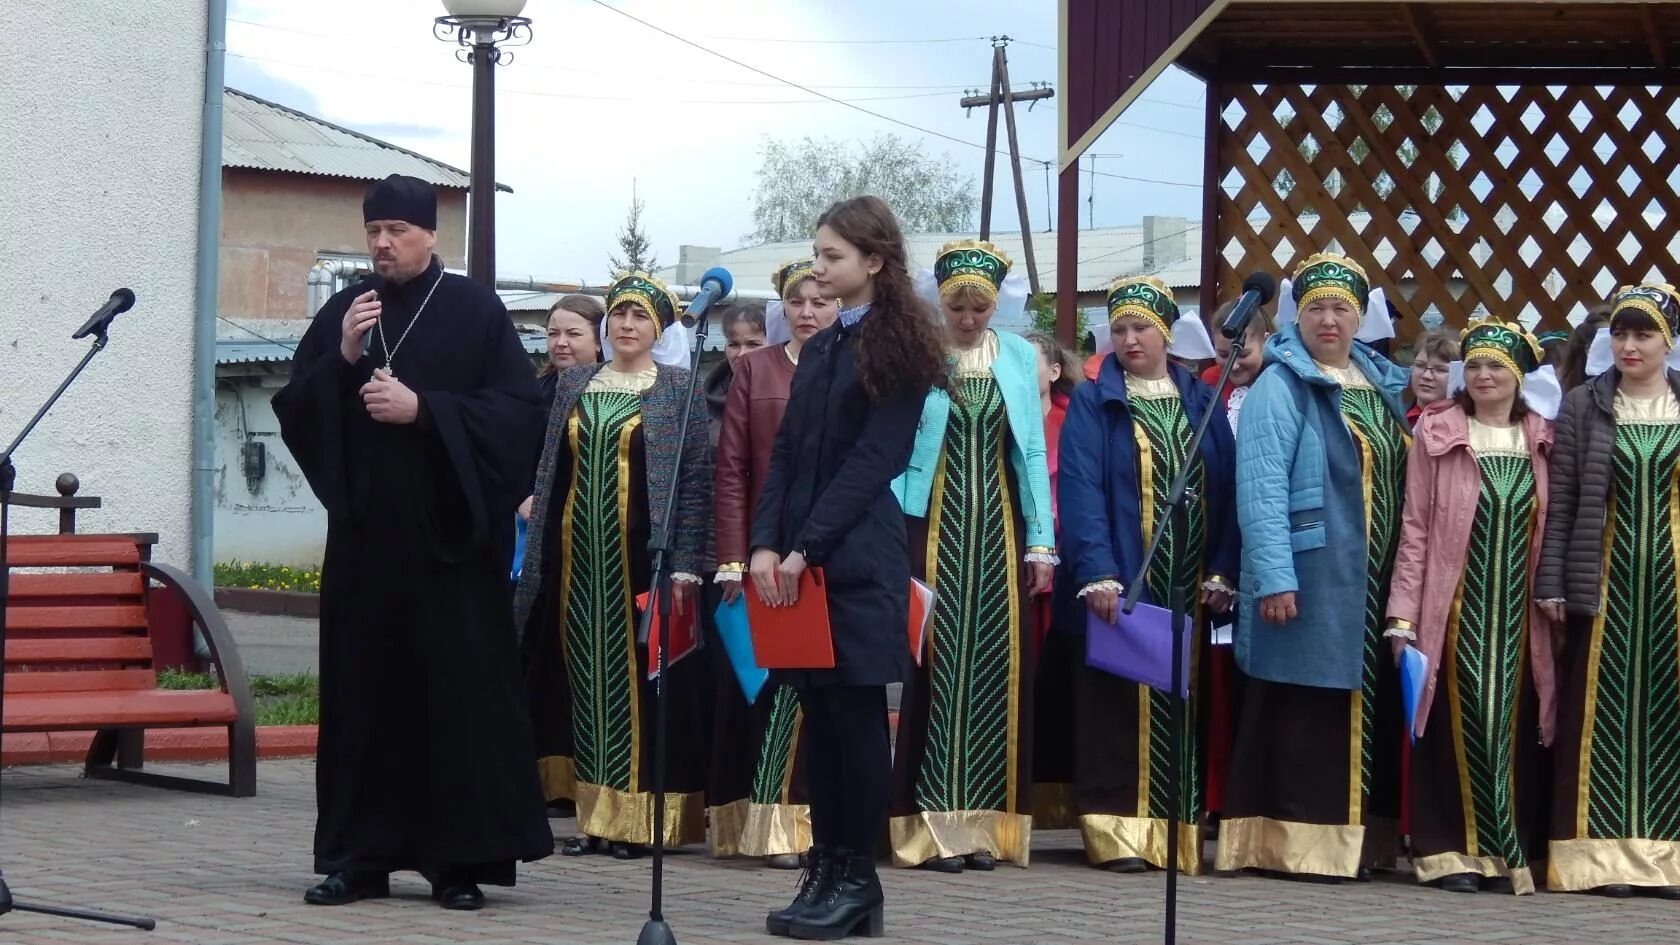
[(203, 500)]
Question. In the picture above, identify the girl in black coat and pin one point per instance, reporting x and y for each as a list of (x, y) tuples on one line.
[(850, 424)]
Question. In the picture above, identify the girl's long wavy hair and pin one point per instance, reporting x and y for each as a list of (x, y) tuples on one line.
[(899, 346)]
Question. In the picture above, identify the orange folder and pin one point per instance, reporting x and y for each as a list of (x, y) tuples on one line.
[(684, 637), (796, 637)]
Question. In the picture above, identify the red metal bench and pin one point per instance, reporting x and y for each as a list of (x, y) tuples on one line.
[(79, 657)]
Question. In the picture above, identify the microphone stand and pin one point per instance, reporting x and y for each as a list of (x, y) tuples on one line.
[(8, 477), (1179, 497), (655, 931)]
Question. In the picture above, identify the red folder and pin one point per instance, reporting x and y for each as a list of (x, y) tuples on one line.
[(796, 637), (684, 639)]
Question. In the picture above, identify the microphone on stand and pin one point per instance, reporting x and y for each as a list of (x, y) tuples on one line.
[(715, 286), (120, 301), (1258, 289)]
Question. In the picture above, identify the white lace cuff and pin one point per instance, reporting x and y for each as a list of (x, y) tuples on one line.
[(683, 577), (733, 577), (1219, 586), (1108, 585), (1401, 632), (1043, 557)]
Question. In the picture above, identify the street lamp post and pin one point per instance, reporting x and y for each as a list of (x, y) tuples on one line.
[(482, 28)]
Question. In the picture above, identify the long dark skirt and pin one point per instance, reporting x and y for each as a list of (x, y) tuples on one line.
[(1465, 824), (1122, 785), (1060, 657), (920, 831), (1298, 800), (756, 793)]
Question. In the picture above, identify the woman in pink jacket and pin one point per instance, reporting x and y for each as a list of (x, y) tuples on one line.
[(1475, 512)]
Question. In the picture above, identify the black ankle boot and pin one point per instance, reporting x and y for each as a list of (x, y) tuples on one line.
[(850, 905), (819, 868)]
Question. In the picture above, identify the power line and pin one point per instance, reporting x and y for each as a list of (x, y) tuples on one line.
[(597, 98), (314, 34), (224, 318), (873, 114)]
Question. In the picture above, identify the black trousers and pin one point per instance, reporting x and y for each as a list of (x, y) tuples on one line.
[(848, 764)]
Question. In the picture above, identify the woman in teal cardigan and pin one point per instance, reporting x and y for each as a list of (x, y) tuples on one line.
[(976, 496)]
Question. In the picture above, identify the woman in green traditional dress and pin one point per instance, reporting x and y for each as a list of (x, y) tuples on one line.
[(602, 485), (1475, 512), (1314, 784), (1124, 441), (1608, 567), (977, 498)]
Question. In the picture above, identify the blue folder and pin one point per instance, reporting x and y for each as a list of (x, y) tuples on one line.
[(730, 619), (1414, 676), (518, 548)]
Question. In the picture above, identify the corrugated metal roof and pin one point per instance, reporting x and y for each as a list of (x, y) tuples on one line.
[(280, 352), (263, 135), (1105, 253)]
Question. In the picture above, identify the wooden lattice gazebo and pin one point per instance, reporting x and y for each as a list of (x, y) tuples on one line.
[(1508, 157)]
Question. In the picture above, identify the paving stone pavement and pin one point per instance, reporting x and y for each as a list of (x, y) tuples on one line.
[(218, 871)]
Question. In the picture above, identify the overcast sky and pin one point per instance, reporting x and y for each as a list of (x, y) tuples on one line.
[(598, 101)]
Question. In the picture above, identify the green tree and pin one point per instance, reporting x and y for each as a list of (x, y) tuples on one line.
[(633, 241), (797, 181), (1360, 149), (1041, 310)]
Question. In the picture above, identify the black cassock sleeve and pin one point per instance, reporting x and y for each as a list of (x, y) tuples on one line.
[(490, 433), (310, 407)]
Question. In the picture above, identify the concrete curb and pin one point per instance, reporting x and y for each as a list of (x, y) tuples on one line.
[(272, 603), (162, 744)]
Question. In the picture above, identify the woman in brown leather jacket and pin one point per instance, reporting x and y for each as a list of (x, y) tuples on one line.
[(758, 805)]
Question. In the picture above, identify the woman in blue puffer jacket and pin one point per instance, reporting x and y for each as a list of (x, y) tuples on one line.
[(1314, 783)]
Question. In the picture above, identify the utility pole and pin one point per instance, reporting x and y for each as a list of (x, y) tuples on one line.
[(1002, 95)]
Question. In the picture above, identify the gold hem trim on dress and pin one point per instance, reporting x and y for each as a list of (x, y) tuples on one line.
[(623, 817), (1052, 807), (558, 775), (1432, 868), (1111, 837), (1289, 847), (742, 828), (1580, 865), (917, 838)]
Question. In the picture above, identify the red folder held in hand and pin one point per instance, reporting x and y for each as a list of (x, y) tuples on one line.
[(684, 638), (793, 637)]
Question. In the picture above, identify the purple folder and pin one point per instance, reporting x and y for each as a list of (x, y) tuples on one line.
[(1138, 648)]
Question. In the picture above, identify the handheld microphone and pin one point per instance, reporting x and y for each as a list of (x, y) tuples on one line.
[(715, 286), (120, 301), (376, 282), (1258, 289)]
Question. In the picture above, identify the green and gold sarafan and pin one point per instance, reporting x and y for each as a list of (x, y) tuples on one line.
[(1329, 276), (649, 293), (1144, 297), (1487, 650), (971, 263), (1508, 343)]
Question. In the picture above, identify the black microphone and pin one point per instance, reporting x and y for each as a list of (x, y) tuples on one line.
[(714, 286), (1258, 289), (376, 282), (120, 301)]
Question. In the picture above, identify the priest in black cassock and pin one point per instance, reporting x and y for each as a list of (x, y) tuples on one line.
[(413, 411)]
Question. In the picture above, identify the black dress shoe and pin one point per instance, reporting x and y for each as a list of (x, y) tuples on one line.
[(628, 851), (783, 861), (1462, 883), (345, 887), (460, 897), (819, 869), (1659, 892), (983, 861), (850, 905), (581, 846), (1615, 891), (943, 864), (1127, 864)]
